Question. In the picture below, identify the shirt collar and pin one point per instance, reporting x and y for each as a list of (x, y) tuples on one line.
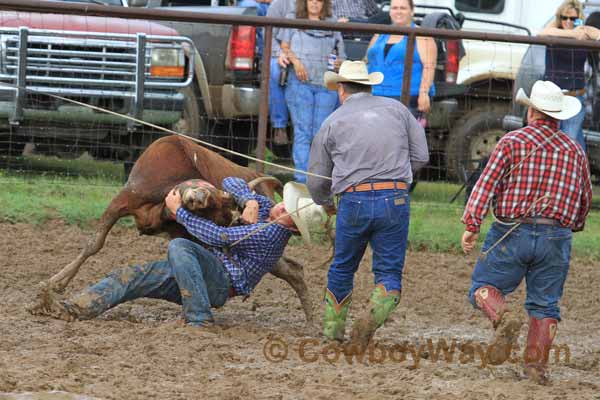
[(358, 95), (552, 124)]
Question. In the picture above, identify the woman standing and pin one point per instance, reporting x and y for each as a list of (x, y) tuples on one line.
[(310, 53), (565, 66), (386, 54)]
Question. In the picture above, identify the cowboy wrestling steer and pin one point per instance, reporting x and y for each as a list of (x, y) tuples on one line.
[(166, 163)]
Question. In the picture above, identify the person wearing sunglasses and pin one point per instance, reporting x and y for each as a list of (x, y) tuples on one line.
[(565, 66)]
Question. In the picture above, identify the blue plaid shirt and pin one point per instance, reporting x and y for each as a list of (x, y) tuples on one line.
[(252, 257)]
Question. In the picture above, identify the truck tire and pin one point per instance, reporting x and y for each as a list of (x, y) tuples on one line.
[(473, 138)]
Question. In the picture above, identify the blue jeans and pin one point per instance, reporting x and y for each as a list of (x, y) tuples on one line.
[(309, 105), (538, 253), (191, 276), (574, 126), (379, 218), (277, 107)]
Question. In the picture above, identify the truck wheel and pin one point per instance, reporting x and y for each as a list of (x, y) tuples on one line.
[(194, 120), (473, 137)]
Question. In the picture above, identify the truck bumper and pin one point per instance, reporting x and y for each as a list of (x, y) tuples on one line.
[(231, 101), (39, 117)]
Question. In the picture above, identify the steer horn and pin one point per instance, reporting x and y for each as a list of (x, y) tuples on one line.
[(257, 181)]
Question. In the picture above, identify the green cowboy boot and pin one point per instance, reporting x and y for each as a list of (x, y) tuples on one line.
[(334, 318), (382, 304)]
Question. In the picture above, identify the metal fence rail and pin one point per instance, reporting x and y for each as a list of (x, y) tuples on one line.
[(168, 15)]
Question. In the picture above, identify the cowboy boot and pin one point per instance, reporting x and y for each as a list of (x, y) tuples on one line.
[(539, 339), (334, 318), (507, 326), (382, 304)]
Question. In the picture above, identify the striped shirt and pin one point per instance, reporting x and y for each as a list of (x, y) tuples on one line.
[(553, 165), (248, 261)]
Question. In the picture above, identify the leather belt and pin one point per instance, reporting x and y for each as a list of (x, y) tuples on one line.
[(576, 92), (365, 187), (531, 220)]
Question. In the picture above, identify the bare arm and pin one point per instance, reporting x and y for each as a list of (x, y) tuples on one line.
[(428, 52), (579, 33), (287, 56), (371, 43)]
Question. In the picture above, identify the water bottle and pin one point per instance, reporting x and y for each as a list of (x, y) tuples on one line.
[(331, 60), (578, 22), (283, 76)]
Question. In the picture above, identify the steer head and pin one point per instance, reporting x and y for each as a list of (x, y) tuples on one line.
[(205, 200)]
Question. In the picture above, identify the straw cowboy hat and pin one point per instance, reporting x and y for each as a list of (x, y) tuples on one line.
[(302, 209), (352, 71), (549, 99)]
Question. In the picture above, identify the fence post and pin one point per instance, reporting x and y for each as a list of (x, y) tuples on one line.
[(263, 113), (408, 64)]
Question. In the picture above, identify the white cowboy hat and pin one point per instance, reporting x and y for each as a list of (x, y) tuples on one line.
[(352, 71), (549, 99), (302, 209)]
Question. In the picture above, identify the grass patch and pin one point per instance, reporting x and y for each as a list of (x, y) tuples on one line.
[(33, 198), (36, 199)]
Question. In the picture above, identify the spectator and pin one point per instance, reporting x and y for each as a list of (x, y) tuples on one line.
[(386, 54), (354, 10), (566, 66), (277, 106), (309, 52)]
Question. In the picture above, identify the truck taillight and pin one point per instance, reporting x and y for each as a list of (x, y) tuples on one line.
[(241, 48), (452, 60)]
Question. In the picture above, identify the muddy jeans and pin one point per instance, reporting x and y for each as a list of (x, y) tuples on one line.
[(191, 276), (540, 254)]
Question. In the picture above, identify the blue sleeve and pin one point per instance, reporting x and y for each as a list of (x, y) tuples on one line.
[(241, 193), (210, 233)]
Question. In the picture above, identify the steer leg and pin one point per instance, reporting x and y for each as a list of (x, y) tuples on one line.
[(115, 210), (291, 271)]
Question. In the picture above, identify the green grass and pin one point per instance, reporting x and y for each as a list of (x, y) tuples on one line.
[(38, 199), (435, 223)]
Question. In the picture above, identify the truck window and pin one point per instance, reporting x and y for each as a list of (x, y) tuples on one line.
[(481, 6)]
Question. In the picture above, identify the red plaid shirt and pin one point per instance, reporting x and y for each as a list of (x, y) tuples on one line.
[(558, 168)]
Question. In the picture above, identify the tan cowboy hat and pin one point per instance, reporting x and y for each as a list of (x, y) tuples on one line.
[(302, 209), (352, 71), (549, 99)]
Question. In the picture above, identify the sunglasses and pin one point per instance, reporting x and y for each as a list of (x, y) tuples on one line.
[(565, 18)]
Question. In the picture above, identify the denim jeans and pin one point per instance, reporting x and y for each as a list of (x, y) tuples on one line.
[(538, 253), (191, 276), (574, 126), (309, 105), (277, 106), (379, 218)]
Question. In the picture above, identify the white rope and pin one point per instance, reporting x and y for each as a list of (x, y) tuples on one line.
[(517, 224), (139, 121), (266, 225)]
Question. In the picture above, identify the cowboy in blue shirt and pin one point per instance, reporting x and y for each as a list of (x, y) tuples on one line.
[(203, 277)]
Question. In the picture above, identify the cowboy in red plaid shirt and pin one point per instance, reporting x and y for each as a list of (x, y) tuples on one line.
[(538, 181)]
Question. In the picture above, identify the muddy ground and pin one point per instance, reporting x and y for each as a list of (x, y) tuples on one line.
[(138, 351)]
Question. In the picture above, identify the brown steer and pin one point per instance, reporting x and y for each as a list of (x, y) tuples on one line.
[(164, 164)]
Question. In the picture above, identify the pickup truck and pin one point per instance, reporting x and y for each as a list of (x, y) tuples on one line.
[(137, 68), (221, 106)]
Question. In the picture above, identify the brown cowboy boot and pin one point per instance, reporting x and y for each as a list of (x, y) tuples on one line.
[(539, 340), (507, 326)]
